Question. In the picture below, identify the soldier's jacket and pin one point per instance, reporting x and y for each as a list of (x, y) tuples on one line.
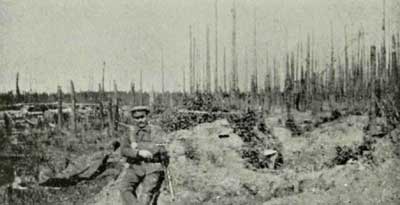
[(149, 138)]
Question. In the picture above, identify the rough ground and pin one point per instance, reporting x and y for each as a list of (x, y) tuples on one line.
[(331, 161), (207, 169)]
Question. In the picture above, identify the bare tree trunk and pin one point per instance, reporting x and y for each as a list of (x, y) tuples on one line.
[(162, 73), (216, 48), (208, 71), (110, 118), (331, 74), (234, 55), (141, 94), (346, 68), (116, 108), (101, 107), (73, 102), (102, 81), (191, 87), (383, 48), (60, 113), (184, 80), (225, 86), (17, 91), (133, 94), (255, 62), (307, 73)]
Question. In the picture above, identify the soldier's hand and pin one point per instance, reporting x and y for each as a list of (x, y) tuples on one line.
[(145, 154)]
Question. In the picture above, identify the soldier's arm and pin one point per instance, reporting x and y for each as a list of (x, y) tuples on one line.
[(127, 150)]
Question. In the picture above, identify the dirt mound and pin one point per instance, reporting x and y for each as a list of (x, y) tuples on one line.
[(316, 149)]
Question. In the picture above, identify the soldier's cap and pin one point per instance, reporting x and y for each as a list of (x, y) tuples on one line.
[(139, 109)]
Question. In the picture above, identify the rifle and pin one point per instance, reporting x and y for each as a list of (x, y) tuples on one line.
[(170, 186), (169, 177)]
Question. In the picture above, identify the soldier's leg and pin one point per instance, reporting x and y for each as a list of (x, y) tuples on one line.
[(155, 197), (151, 187), (130, 182)]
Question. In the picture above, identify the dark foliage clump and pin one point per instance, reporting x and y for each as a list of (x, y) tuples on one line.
[(244, 125), (172, 120), (346, 153)]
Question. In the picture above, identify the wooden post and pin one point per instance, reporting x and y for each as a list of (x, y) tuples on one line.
[(73, 102), (60, 113)]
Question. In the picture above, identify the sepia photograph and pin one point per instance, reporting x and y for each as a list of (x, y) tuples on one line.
[(192, 102)]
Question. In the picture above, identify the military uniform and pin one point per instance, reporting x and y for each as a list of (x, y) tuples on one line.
[(148, 172)]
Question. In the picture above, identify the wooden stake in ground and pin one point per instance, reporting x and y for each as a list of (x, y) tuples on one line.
[(60, 114), (73, 102)]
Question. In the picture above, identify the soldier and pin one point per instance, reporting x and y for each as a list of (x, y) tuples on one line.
[(147, 160)]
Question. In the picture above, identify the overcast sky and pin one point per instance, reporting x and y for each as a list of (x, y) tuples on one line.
[(50, 42)]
